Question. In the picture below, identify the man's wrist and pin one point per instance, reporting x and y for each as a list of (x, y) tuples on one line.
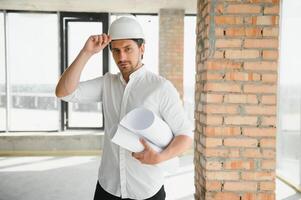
[(86, 53), (161, 157)]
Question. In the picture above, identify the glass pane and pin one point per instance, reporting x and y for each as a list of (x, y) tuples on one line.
[(189, 65), (151, 31), (150, 25), (33, 63), (84, 115), (2, 76), (289, 138)]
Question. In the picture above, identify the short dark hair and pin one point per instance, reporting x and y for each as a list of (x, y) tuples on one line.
[(139, 41)]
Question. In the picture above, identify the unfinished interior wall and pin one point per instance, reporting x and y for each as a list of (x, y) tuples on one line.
[(171, 46), (237, 52)]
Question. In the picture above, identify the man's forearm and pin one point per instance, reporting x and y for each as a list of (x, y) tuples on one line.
[(70, 78), (177, 146)]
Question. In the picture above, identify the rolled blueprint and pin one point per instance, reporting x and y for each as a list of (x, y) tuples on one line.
[(147, 124), (143, 123), (130, 141)]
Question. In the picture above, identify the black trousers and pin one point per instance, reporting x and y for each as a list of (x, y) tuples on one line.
[(101, 194)]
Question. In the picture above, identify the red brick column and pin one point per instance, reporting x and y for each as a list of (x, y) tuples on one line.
[(237, 52), (171, 46)]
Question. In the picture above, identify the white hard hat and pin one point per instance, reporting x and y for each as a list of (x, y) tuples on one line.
[(126, 28)]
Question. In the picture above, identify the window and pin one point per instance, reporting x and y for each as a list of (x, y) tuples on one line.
[(32, 59), (289, 96), (84, 115), (189, 65), (2, 76)]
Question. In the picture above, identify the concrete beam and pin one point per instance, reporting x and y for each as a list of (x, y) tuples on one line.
[(112, 6)]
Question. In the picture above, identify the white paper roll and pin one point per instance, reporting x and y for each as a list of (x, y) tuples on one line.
[(130, 141), (144, 122)]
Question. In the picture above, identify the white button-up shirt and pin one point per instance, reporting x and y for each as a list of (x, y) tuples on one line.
[(121, 174)]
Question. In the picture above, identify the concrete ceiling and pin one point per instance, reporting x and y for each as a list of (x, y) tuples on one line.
[(112, 6)]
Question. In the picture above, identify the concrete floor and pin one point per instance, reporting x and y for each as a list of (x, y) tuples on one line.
[(74, 178)]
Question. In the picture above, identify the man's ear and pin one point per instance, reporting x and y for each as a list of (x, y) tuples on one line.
[(142, 47)]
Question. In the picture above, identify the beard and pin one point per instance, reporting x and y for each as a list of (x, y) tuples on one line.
[(127, 67)]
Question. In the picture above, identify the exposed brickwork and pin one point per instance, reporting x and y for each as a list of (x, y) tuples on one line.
[(171, 46), (237, 53)]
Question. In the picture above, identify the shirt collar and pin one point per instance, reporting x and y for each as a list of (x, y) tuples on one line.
[(139, 72)]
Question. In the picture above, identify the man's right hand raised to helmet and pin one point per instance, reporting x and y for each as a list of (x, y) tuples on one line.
[(96, 43), (71, 76)]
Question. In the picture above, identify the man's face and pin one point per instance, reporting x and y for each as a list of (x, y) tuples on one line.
[(127, 55)]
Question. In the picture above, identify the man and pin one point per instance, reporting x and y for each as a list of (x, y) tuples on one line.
[(124, 174)]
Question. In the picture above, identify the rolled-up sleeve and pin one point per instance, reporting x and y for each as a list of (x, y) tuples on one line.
[(172, 111), (87, 92)]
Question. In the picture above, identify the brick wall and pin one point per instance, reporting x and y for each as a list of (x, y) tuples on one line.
[(237, 52), (171, 46)]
